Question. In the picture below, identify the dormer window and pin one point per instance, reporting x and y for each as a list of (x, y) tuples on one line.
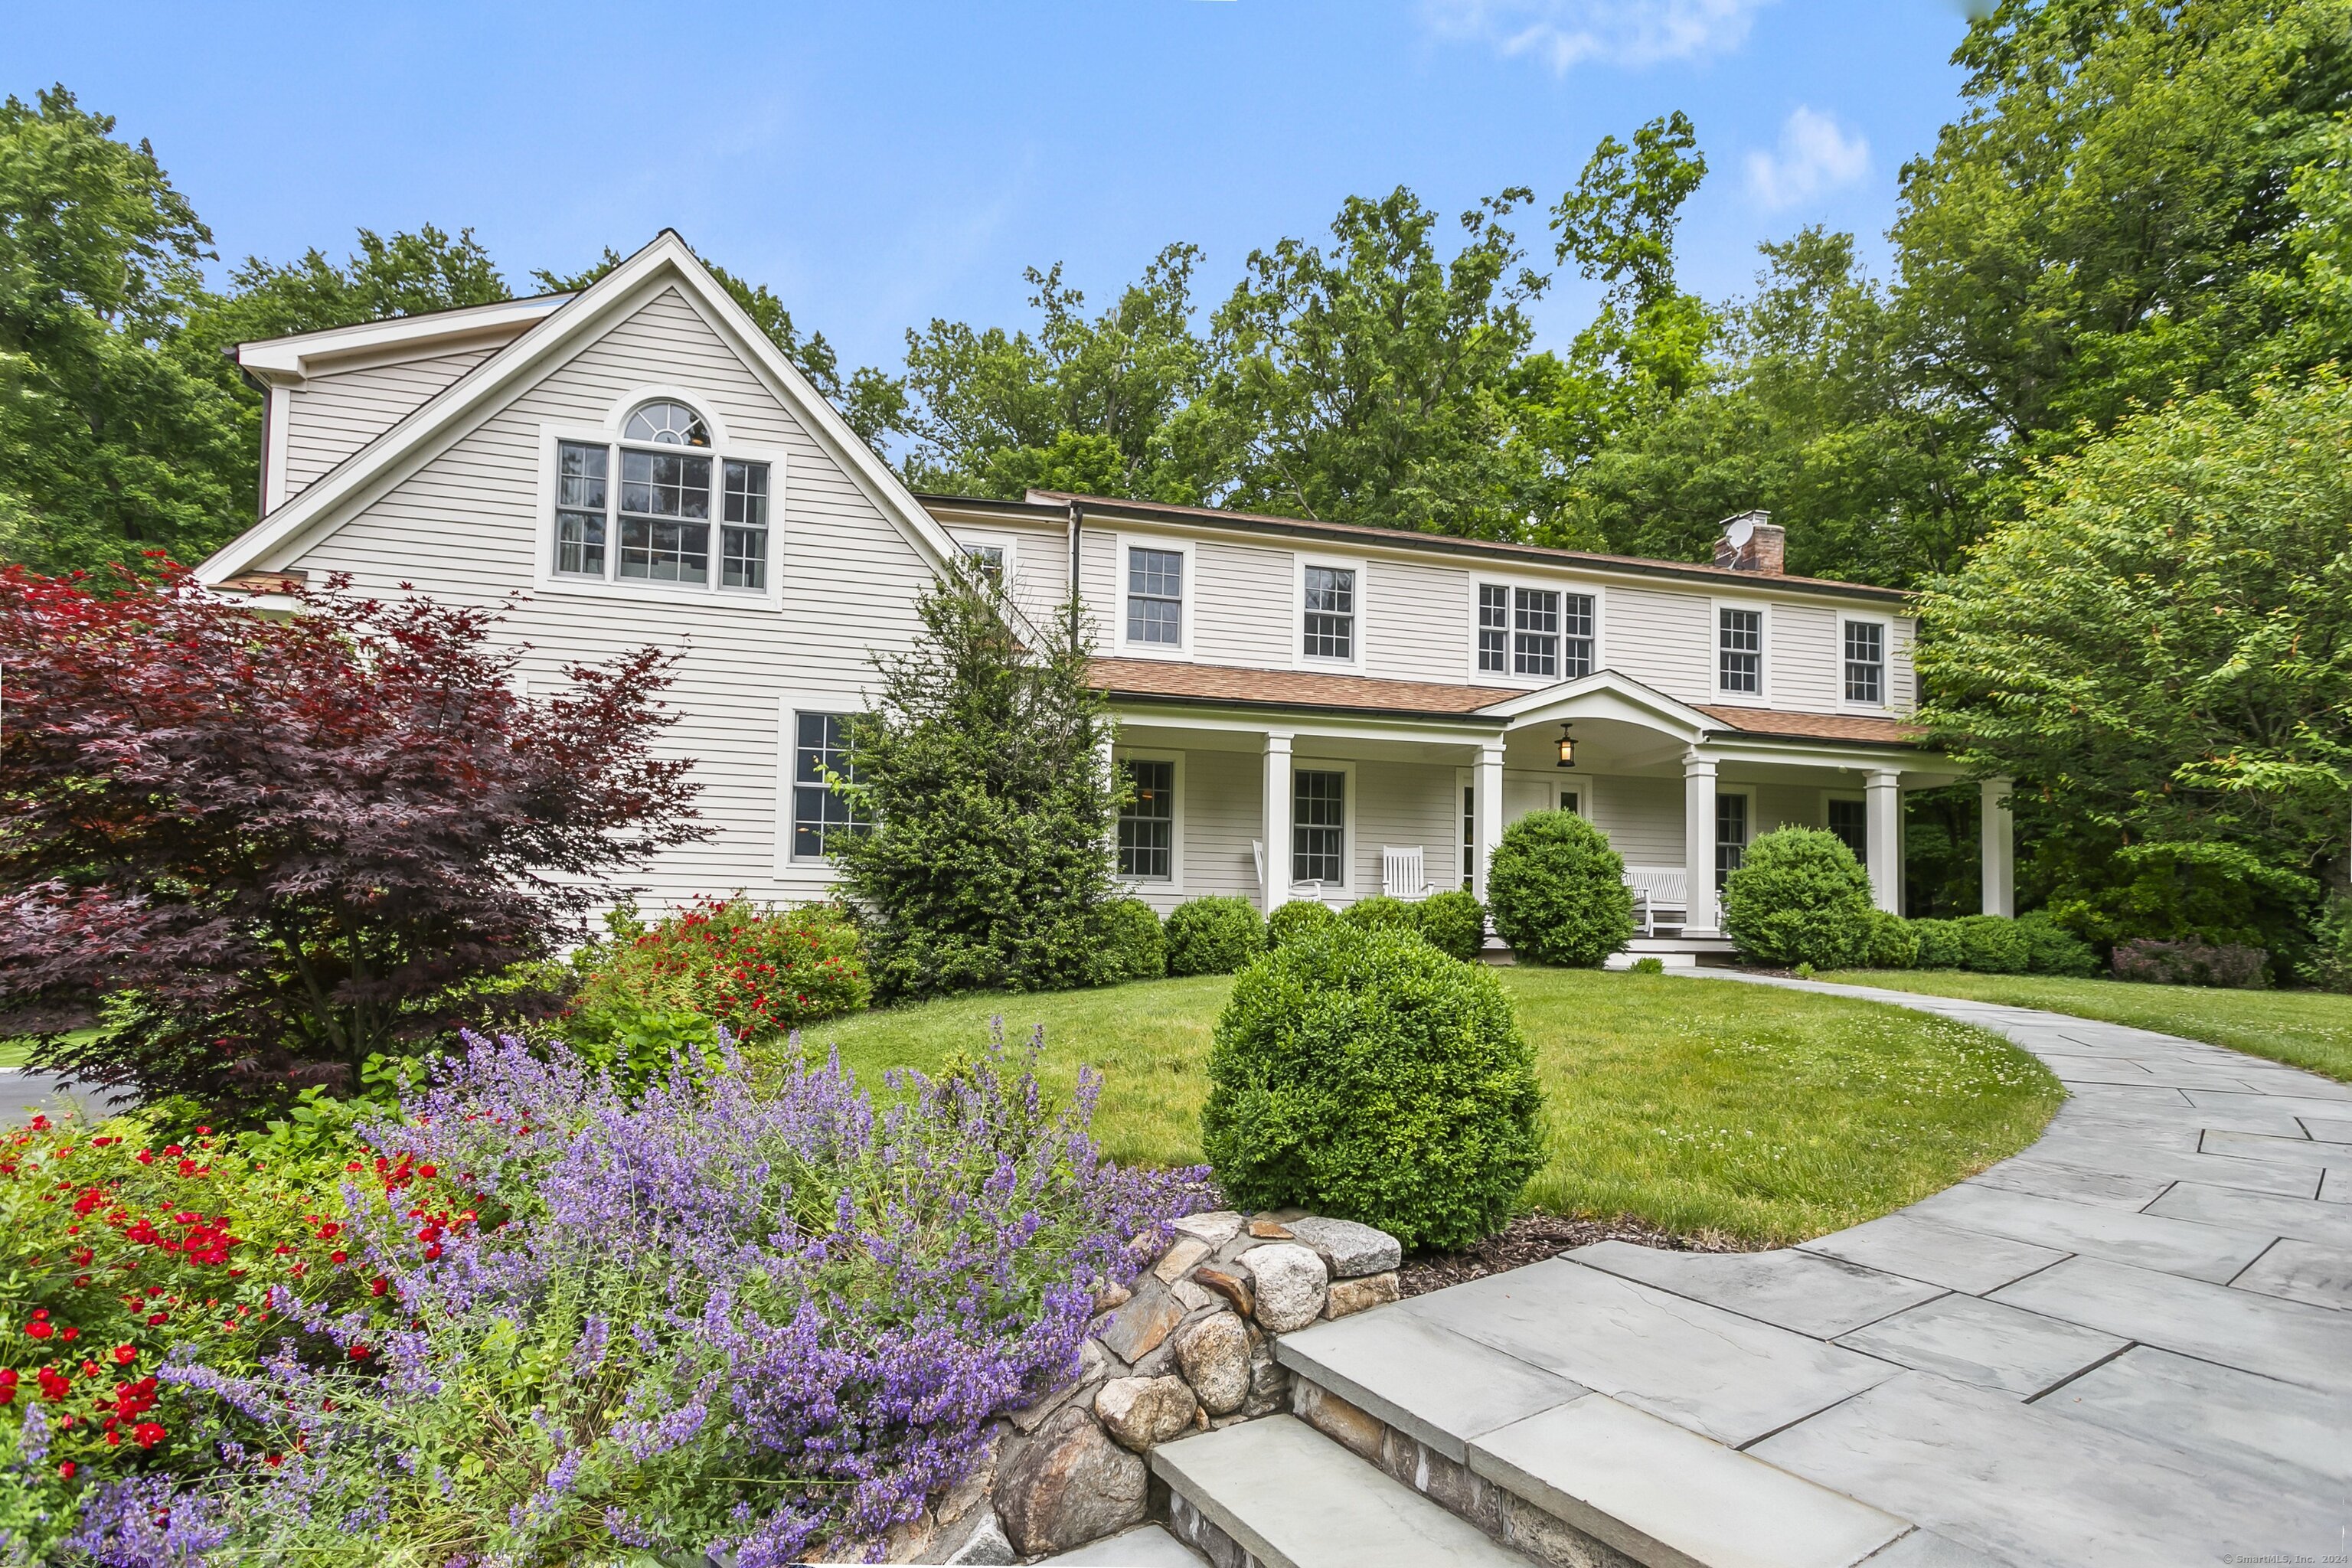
[(1155, 596), (1542, 633), (658, 525), (1330, 611)]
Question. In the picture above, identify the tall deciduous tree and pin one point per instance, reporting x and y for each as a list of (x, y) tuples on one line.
[(2159, 649), (109, 445), (983, 862), (273, 842)]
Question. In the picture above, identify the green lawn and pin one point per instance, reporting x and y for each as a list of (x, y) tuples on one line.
[(1700, 1106), (2303, 1028), (14, 1052)]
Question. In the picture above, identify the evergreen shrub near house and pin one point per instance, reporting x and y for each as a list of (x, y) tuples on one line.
[(1991, 944), (1940, 943), (1214, 936), (1894, 945), (1556, 890), (1454, 924), (1799, 895), (1365, 1074), (2229, 966), (982, 806), (1382, 912), (1134, 947), (1299, 918), (2052, 949)]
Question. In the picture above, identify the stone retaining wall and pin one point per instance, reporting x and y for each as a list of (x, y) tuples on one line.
[(1187, 1347)]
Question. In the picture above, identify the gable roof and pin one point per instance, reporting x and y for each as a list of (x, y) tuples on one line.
[(293, 359), (1108, 507), (572, 320)]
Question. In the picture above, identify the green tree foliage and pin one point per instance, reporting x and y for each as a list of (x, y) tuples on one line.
[(1083, 405), (2115, 216), (109, 445), (404, 275), (1365, 1074), (2159, 649), (979, 779)]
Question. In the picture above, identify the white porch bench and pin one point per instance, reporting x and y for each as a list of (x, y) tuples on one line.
[(1661, 897)]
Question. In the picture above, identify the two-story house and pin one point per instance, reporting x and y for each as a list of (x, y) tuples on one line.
[(1307, 709)]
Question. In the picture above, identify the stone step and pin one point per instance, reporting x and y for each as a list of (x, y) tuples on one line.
[(1293, 1499)]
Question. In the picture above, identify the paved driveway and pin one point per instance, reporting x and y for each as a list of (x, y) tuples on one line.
[(22, 1093)]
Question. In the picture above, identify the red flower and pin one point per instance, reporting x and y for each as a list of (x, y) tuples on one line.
[(68, 1332), (154, 1320), (38, 1331), (125, 1354), (337, 1256), (66, 1468), (147, 1434), (360, 1353), (376, 1287), (54, 1384)]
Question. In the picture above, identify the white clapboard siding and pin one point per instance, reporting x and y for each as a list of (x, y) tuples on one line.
[(329, 417), (1643, 817), (464, 529), (1240, 608), (1902, 678), (1807, 657), (1406, 803), (1417, 623), (1661, 638)]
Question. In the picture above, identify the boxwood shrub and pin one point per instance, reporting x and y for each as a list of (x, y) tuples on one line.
[(2052, 949), (1894, 945), (1133, 946), (1991, 944), (1799, 897), (1382, 912), (1214, 936), (1294, 920), (1454, 924), (1940, 943), (1558, 891), (1366, 1075)]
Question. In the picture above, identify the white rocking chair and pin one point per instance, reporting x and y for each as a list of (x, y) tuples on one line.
[(1404, 873)]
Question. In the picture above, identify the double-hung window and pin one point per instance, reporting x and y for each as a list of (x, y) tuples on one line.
[(986, 561), (1849, 820), (1155, 596), (1865, 663), (656, 525), (1739, 651), (820, 752), (1539, 632), (1330, 613), (1146, 823), (1730, 836), (1318, 832)]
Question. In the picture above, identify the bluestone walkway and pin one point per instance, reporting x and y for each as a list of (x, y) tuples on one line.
[(2130, 1344)]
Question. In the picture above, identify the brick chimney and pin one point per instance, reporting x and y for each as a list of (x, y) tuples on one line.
[(1752, 541)]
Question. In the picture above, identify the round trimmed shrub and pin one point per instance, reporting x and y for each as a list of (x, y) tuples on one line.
[(1893, 943), (2052, 949), (1380, 913), (1132, 944), (1557, 892), (1214, 936), (1940, 943), (1296, 919), (1799, 897), (1991, 944), (1366, 1075), (1454, 924)]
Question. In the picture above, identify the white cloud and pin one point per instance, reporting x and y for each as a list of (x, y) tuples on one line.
[(1566, 33), (1815, 156)]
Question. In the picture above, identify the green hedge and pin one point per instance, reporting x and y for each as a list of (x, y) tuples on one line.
[(1558, 891), (1453, 924), (2052, 949), (1366, 1075), (1799, 897), (1894, 944), (1991, 944), (1940, 943), (1380, 913), (1133, 946), (1294, 920), (1214, 936)]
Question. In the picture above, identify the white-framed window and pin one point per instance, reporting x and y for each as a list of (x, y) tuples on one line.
[(820, 749), (1848, 816), (1734, 812), (1328, 596), (1155, 586), (1865, 663), (1150, 824), (1536, 634), (659, 502), (1469, 834), (992, 555), (1739, 650), (1321, 806)]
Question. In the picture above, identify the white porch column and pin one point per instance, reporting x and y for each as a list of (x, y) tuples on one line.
[(1487, 795), (1883, 837), (1698, 843), (1998, 833), (1277, 820)]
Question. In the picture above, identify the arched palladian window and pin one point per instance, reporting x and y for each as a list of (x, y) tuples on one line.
[(661, 510)]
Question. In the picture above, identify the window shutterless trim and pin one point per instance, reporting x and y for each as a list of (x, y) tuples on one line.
[(1882, 630), (1185, 601), (1174, 880), (1306, 620), (1719, 652), (1507, 625), (564, 531)]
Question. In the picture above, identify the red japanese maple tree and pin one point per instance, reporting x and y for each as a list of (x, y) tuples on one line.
[(280, 844)]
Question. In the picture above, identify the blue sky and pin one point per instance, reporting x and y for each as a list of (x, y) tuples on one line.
[(881, 163)]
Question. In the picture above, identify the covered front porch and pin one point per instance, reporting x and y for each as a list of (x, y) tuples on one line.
[(1278, 801)]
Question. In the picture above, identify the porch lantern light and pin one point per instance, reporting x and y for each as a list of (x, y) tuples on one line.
[(1567, 748)]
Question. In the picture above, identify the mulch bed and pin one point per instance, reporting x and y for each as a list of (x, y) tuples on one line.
[(1531, 1239)]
